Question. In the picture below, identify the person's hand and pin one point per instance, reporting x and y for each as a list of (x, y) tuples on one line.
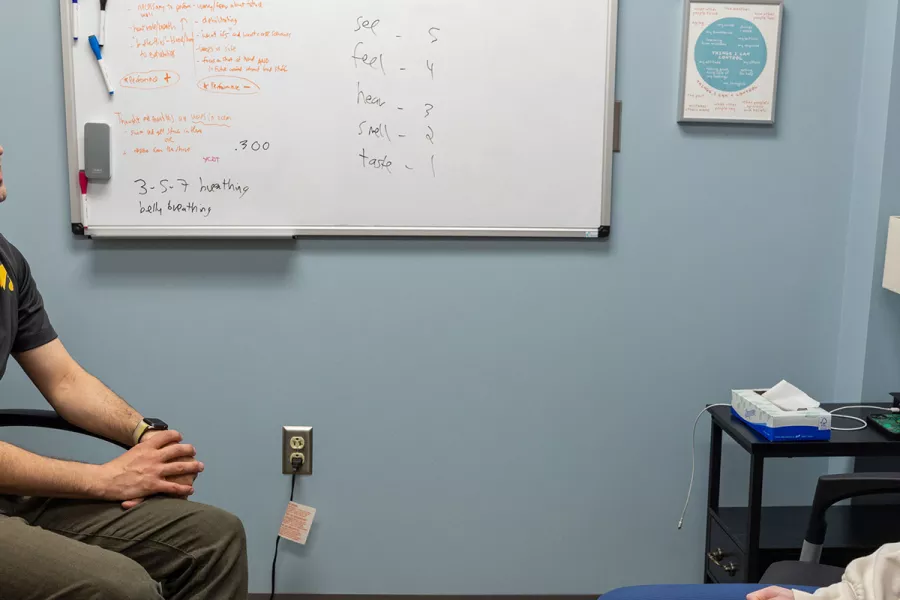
[(144, 470), (772, 593), (183, 479)]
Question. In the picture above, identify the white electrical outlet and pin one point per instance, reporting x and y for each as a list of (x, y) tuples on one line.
[(296, 446)]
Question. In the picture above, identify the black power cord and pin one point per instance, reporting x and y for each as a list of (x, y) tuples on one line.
[(296, 465), (278, 539)]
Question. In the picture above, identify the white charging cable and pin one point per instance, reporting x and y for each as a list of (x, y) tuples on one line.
[(694, 460), (859, 420)]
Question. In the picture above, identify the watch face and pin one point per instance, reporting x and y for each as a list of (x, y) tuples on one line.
[(156, 423)]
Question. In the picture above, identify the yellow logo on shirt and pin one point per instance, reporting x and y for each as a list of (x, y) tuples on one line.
[(6, 282)]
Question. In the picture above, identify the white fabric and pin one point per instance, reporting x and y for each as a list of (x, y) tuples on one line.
[(873, 577)]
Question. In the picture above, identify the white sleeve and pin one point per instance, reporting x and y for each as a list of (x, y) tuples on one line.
[(873, 577)]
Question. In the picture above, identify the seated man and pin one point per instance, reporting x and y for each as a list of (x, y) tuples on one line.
[(122, 530), (874, 577)]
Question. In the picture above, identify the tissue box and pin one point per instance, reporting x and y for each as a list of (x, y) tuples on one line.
[(777, 425)]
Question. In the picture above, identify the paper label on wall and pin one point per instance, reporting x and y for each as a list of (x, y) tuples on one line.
[(297, 521), (732, 52)]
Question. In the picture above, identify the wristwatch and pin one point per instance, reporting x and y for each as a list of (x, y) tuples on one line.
[(147, 425)]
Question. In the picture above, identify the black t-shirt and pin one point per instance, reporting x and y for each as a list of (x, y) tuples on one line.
[(24, 324)]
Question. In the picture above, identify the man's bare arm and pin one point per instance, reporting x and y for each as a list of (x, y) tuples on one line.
[(78, 397), (141, 472), (26, 474)]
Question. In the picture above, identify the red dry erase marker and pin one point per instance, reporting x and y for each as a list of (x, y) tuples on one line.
[(83, 180)]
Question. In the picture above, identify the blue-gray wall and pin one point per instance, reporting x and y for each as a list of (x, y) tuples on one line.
[(491, 417), (883, 342), (864, 247), (878, 318)]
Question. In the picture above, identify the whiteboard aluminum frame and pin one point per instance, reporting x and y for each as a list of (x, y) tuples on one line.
[(684, 66), (81, 225), (324, 232), (76, 204)]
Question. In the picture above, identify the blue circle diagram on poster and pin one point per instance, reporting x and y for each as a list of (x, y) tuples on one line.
[(731, 54)]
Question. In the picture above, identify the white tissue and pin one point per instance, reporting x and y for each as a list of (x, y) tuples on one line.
[(789, 397)]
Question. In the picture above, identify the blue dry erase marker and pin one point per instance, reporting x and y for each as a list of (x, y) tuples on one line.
[(76, 20), (95, 46), (102, 22)]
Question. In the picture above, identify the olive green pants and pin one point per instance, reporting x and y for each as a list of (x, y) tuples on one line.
[(162, 548)]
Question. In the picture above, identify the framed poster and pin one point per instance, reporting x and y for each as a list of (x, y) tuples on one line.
[(729, 65)]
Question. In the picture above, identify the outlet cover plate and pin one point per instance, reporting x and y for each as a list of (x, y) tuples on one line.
[(288, 433)]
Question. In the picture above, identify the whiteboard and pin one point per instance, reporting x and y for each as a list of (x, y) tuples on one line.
[(379, 117)]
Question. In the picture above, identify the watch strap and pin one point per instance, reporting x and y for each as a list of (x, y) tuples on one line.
[(139, 432)]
